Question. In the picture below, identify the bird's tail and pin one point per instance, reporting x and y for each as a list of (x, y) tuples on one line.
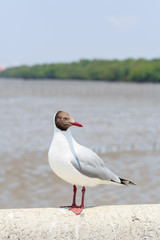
[(126, 182)]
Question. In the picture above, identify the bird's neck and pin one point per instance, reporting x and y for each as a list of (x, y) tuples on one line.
[(62, 135)]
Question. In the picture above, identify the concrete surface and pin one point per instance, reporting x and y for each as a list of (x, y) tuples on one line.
[(106, 222)]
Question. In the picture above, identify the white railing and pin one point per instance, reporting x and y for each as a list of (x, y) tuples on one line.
[(128, 222)]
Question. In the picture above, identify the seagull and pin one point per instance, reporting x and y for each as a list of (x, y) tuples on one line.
[(76, 164)]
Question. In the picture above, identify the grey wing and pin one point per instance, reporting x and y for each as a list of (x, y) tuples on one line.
[(91, 165)]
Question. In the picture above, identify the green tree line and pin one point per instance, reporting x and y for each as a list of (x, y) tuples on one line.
[(140, 70)]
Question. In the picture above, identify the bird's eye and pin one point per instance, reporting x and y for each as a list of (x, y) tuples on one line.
[(64, 118)]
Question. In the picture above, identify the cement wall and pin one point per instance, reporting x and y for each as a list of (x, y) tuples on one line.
[(107, 223)]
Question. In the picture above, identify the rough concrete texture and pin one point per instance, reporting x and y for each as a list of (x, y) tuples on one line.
[(108, 222)]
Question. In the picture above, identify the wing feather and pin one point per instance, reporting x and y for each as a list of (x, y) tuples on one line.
[(91, 165)]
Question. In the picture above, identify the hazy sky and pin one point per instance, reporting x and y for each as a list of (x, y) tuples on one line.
[(45, 31)]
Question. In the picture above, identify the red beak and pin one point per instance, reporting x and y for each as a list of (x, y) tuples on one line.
[(77, 124)]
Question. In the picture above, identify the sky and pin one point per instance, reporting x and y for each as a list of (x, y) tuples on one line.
[(51, 31)]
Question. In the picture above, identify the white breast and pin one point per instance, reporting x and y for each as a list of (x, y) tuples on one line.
[(61, 153)]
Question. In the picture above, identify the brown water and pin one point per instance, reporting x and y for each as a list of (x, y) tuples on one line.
[(121, 123)]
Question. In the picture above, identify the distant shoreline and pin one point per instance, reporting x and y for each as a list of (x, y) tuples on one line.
[(74, 80), (129, 70)]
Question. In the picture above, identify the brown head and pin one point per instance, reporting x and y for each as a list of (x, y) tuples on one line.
[(64, 120)]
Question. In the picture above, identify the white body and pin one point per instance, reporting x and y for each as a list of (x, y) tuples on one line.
[(65, 152)]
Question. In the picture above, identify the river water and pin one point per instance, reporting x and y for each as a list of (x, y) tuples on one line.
[(121, 123)]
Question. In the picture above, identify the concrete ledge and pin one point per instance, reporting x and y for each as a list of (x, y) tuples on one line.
[(108, 222)]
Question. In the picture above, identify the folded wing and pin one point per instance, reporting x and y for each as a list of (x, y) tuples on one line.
[(91, 165)]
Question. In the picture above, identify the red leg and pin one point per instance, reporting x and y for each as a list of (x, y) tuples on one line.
[(74, 199), (83, 193), (74, 196), (78, 209)]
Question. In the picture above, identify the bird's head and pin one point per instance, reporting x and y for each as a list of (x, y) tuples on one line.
[(64, 120)]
